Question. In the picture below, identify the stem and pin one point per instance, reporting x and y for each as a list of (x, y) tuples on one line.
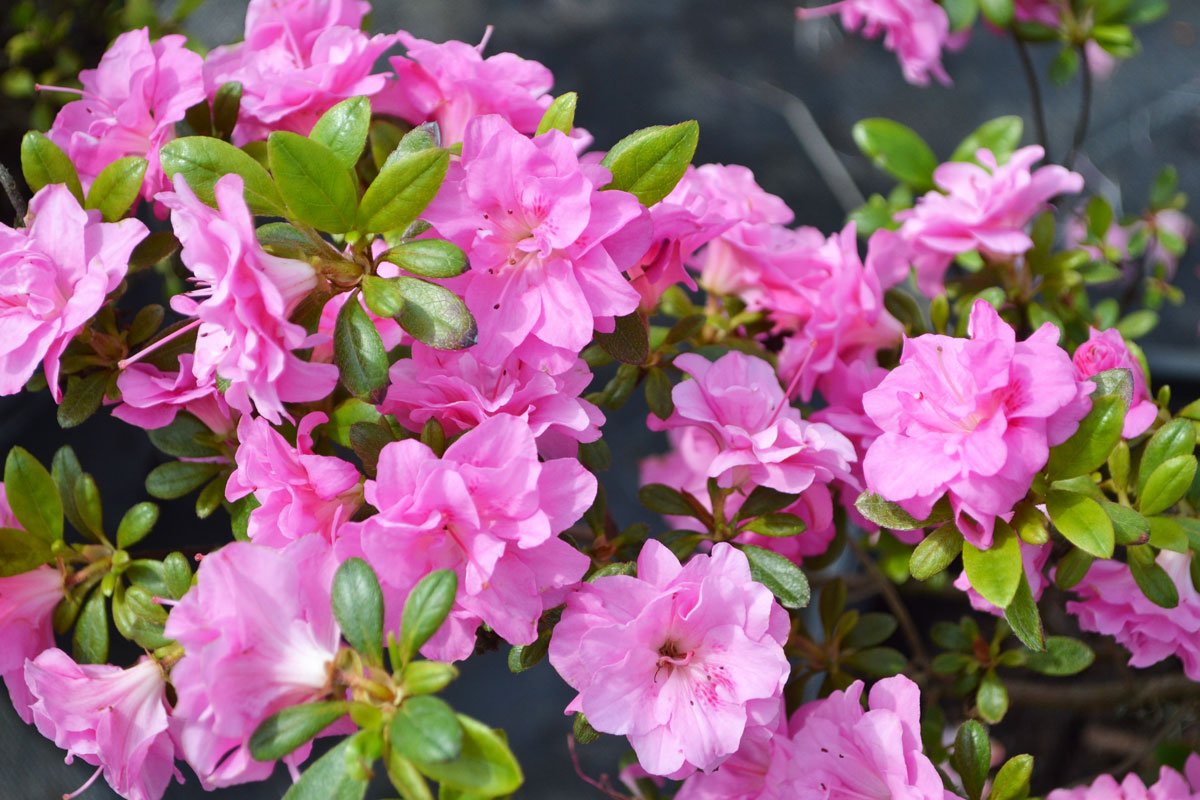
[(9, 184), (125, 362), (1035, 94), (1086, 697), (1085, 108), (895, 603)]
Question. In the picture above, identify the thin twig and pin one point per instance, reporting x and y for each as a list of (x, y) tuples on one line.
[(9, 184), (601, 785), (1085, 109), (895, 603), (1035, 94)]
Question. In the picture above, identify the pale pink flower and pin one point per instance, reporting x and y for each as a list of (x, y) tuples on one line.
[(490, 511), (1170, 786), (258, 635), (546, 246), (299, 492), (1111, 603), (451, 83), (54, 277), (112, 718), (130, 105), (681, 659), (1043, 12), (299, 59), (460, 392), (761, 439), (1033, 561), (243, 303), (972, 418), (915, 30), (763, 768), (151, 398), (1106, 350), (984, 207), (845, 751)]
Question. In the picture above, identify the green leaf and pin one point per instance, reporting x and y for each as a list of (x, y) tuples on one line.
[(1176, 438), (872, 628), (225, 108), (1152, 579), (402, 190), (992, 698), (1092, 443), (898, 150), (997, 12), (662, 499), (935, 552), (890, 515), (427, 677), (317, 187), (629, 341), (972, 757), (137, 522), (779, 574), (117, 187), (1001, 136), (20, 552), (435, 315), (658, 393), (1023, 617), (203, 161), (358, 352), (43, 163), (185, 437), (149, 574), (332, 776), (1082, 521), (1072, 568), (138, 617), (1167, 484), (33, 496), (429, 258), (175, 479), (650, 162), (426, 731), (1064, 65), (962, 13), (996, 572), (1012, 781), (777, 524), (211, 497), (1129, 527), (1062, 657), (406, 778), (82, 398), (764, 500), (88, 506), (486, 767), (1138, 324), (425, 610), (560, 115), (177, 574), (1166, 533), (358, 607), (582, 730), (876, 662), (343, 129), (90, 641), (382, 296), (280, 734)]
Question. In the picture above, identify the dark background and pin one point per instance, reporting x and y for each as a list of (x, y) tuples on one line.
[(637, 63)]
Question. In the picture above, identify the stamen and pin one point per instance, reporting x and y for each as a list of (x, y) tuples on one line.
[(819, 11), (787, 394), (45, 87), (125, 362), (87, 785)]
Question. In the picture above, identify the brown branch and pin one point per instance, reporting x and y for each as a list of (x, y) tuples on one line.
[(1089, 696)]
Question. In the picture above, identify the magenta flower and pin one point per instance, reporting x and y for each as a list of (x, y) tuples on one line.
[(681, 659), (547, 248), (54, 277), (1107, 350), (761, 439), (843, 751), (1170, 786), (130, 105), (460, 392), (962, 417), (112, 718), (451, 83), (984, 208), (151, 398), (299, 492), (490, 511), (300, 58), (1033, 561), (258, 636), (242, 305), (1111, 603)]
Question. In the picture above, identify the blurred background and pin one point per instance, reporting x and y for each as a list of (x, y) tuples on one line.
[(758, 84)]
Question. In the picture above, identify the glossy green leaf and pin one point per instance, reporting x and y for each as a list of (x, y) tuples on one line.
[(429, 258), (426, 731), (117, 187), (777, 524), (764, 500), (382, 295), (434, 315), (1082, 521), (890, 515), (896, 149), (343, 129), (402, 190), (178, 478), (1176, 438), (1152, 579), (992, 698), (996, 572), (560, 115), (649, 163), (136, 524), (185, 437), (1012, 781), (935, 552), (82, 398), (32, 495), (998, 12), (89, 507), (485, 767), (1001, 136), (318, 188), (426, 677), (972, 757), (1168, 533), (629, 341), (203, 161), (1072, 568), (90, 640), (1129, 527), (779, 574), (406, 778), (658, 393), (43, 163), (332, 776), (281, 733), (1023, 617), (358, 607), (425, 610), (227, 103), (177, 574), (1063, 656), (1092, 443), (20, 552), (1167, 484), (359, 353)]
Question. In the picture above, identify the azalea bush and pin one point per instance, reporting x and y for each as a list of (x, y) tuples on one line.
[(402, 289)]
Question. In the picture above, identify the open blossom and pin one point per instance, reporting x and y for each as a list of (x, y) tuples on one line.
[(299, 492), (915, 30), (546, 246), (1170, 786), (299, 59), (682, 659), (736, 261), (763, 768), (1106, 350), (258, 636), (112, 718), (1033, 563), (972, 418), (450, 83), (54, 277), (459, 391), (984, 207), (761, 439), (490, 511), (842, 750), (130, 105), (1111, 603), (151, 398), (243, 303)]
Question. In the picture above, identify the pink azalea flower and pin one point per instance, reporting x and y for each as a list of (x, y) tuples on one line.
[(258, 635), (761, 439), (681, 659), (843, 751), (460, 392), (151, 398), (112, 718), (1170, 786), (130, 105), (490, 511), (299, 491), (1033, 560), (54, 277), (1111, 603), (1172, 223), (1106, 350), (243, 303), (1043, 12), (451, 83), (915, 30), (300, 58), (763, 768), (546, 247), (963, 417), (984, 208)]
